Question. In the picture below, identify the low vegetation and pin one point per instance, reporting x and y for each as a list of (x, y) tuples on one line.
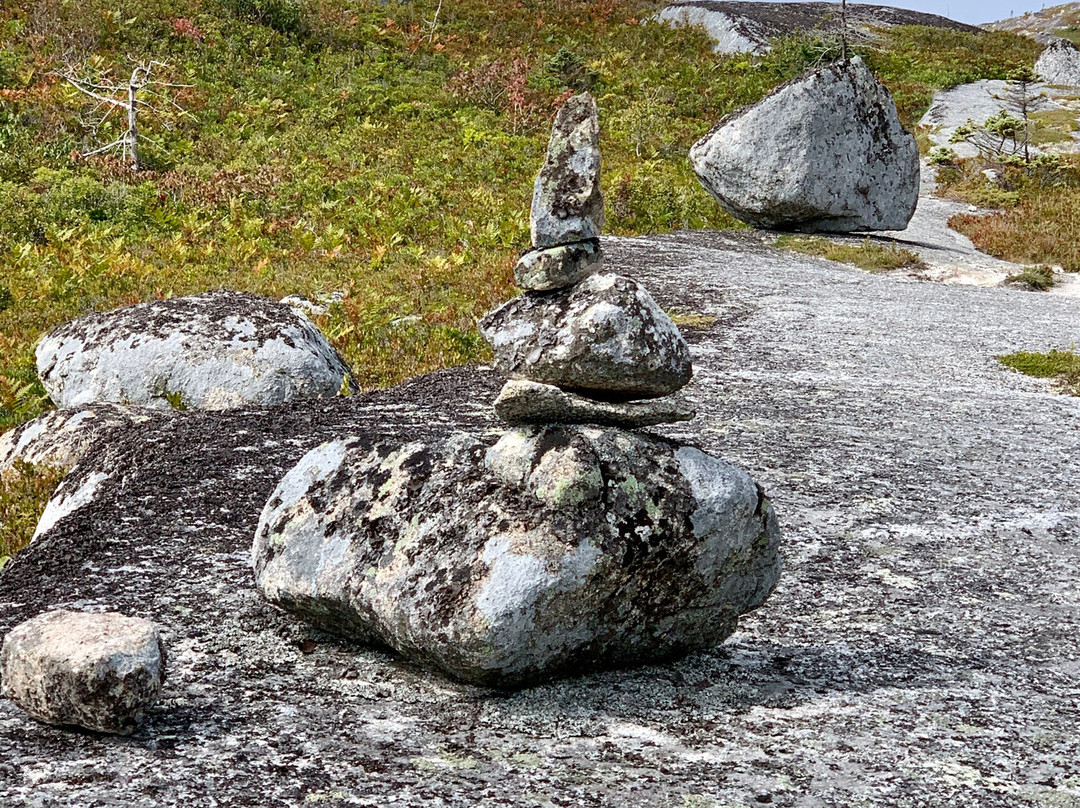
[(24, 492), (358, 147), (868, 255), (1064, 366), (1038, 279)]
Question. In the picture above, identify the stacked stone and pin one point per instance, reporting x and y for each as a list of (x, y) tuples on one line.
[(581, 346)]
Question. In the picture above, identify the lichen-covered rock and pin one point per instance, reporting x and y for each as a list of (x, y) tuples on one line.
[(60, 438), (212, 351), (525, 402), (567, 204), (825, 152), (605, 336), (550, 268), (97, 671), (558, 549), (1059, 63)]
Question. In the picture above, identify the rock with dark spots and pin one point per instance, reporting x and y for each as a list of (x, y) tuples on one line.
[(550, 268), (825, 152), (525, 402), (605, 336), (567, 204), (60, 438), (555, 550), (96, 671), (213, 351), (1059, 63)]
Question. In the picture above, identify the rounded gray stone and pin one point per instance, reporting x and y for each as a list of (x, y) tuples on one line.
[(213, 351), (825, 152), (96, 671), (549, 268), (555, 550), (1059, 63)]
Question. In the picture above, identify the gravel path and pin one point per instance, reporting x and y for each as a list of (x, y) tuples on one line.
[(923, 648)]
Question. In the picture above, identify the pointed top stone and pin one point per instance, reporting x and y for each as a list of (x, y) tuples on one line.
[(567, 203)]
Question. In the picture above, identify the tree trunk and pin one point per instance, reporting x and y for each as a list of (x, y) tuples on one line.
[(133, 130)]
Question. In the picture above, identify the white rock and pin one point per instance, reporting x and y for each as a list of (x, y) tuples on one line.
[(825, 152), (97, 671), (213, 351), (1059, 63)]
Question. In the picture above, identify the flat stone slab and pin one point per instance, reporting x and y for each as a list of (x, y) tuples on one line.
[(920, 648), (525, 402)]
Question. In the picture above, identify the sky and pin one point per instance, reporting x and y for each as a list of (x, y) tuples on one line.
[(972, 11)]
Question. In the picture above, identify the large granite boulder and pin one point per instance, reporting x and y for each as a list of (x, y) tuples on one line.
[(212, 351), (555, 550), (1059, 63), (825, 152), (605, 337), (60, 438), (567, 203), (96, 671)]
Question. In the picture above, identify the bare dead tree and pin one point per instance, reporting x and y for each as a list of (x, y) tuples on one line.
[(431, 25), (115, 96)]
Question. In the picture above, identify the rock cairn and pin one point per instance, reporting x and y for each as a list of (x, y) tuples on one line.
[(581, 346)]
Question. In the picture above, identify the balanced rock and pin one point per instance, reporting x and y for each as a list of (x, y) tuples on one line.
[(825, 152), (567, 203), (1059, 63), (548, 268), (212, 351), (558, 549), (97, 671), (605, 337), (525, 402), (60, 438)]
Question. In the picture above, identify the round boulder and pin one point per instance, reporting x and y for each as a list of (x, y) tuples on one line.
[(558, 549), (97, 671), (825, 152), (1059, 63), (213, 351)]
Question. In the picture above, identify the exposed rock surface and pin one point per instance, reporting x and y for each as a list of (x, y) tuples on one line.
[(567, 204), (920, 649), (96, 671), (212, 351), (556, 549), (1042, 25), (60, 438), (742, 27), (1059, 63), (825, 152), (550, 268), (525, 402), (606, 336)]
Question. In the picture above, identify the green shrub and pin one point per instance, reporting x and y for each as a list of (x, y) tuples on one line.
[(1061, 365), (24, 492)]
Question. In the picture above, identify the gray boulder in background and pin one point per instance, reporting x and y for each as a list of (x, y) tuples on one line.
[(548, 268), (60, 438), (567, 204), (605, 336), (555, 550), (825, 152), (96, 671), (1059, 63), (213, 351)]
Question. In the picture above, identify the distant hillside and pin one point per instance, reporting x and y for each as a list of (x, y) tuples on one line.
[(1063, 21), (749, 27)]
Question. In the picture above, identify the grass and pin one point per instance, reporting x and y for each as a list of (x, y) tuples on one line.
[(868, 255), (1038, 279), (347, 146), (24, 492), (1063, 366)]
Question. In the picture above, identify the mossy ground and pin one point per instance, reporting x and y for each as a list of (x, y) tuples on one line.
[(868, 255), (1061, 365)]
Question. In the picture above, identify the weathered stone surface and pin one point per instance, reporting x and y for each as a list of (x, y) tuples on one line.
[(212, 351), (60, 438), (567, 203), (550, 268), (559, 549), (525, 402), (1059, 63), (825, 152), (96, 671), (606, 335)]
